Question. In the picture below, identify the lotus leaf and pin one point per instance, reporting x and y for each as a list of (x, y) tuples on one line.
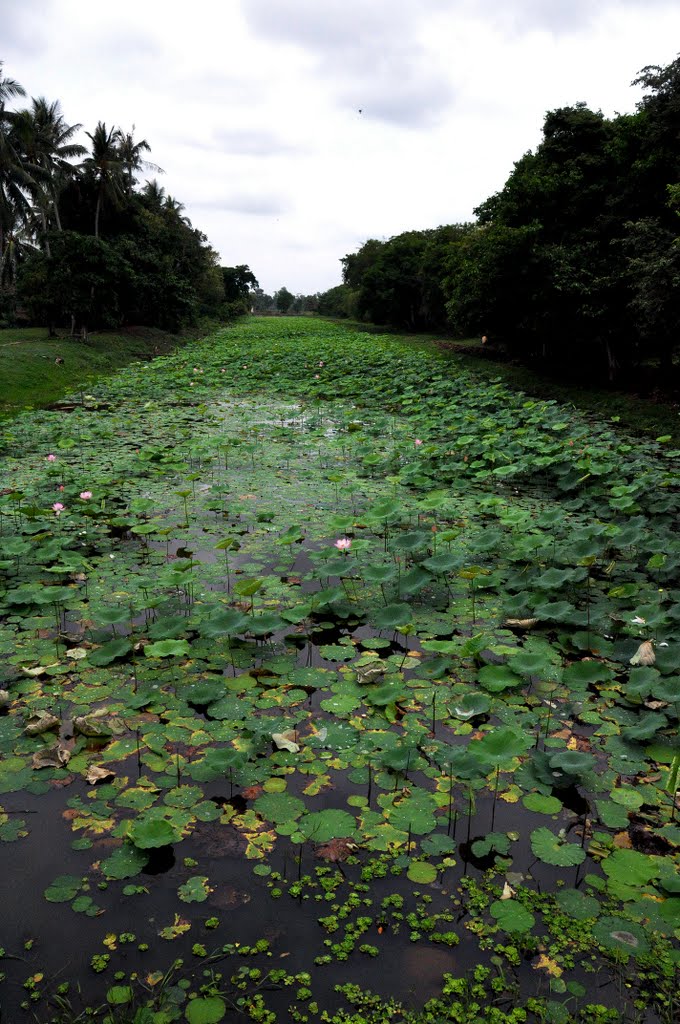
[(577, 905), (469, 705), (63, 889), (496, 678), (393, 616), (206, 1010), (422, 873), (554, 849), (194, 890), (573, 762), (279, 807), (542, 804), (167, 649), (148, 832), (512, 916), (126, 862), (621, 936), (321, 826)]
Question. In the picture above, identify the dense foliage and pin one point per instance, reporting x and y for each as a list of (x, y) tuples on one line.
[(83, 244), (578, 255)]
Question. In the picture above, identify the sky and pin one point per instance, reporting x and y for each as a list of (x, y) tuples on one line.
[(294, 130)]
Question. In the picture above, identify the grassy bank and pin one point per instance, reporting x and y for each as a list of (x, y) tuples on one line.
[(36, 371)]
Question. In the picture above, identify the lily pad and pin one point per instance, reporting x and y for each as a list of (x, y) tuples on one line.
[(621, 936), (329, 824), (512, 916), (422, 873), (555, 849)]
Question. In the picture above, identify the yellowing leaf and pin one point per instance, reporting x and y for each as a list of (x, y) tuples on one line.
[(544, 963)]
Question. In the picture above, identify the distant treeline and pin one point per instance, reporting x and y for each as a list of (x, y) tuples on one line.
[(576, 258), (82, 245)]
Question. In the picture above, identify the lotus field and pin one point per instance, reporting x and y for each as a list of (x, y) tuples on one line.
[(338, 685)]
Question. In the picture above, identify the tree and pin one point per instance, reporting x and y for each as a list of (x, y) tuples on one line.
[(284, 299), (105, 168), (130, 154), (238, 282), (14, 177), (45, 140)]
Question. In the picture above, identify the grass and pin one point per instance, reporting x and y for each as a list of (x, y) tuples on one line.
[(37, 371)]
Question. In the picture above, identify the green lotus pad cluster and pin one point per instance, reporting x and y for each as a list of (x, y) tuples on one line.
[(395, 647)]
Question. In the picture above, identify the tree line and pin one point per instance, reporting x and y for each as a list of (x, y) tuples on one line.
[(83, 244), (576, 258)]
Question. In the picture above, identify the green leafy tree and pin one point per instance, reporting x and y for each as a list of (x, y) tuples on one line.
[(283, 299)]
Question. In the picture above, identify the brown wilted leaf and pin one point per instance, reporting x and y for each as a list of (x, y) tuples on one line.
[(62, 783), (645, 654), (251, 792), (521, 623), (335, 850), (51, 757), (96, 774), (622, 841)]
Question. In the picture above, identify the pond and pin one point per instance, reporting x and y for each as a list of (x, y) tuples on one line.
[(337, 684)]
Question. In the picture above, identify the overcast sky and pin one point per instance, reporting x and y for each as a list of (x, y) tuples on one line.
[(293, 130)]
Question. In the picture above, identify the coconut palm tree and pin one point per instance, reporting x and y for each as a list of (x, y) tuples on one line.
[(153, 195), (106, 168), (14, 177), (131, 155), (54, 149), (44, 139)]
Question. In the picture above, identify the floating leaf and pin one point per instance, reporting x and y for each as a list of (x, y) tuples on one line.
[(323, 826), (63, 889), (194, 890), (422, 873), (577, 905), (279, 807), (126, 862), (205, 1010), (542, 804), (621, 936), (512, 916), (554, 849)]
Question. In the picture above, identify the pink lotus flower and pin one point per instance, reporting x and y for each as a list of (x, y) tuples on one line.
[(86, 495), (58, 508), (51, 458), (321, 363), (316, 376), (417, 442), (343, 544)]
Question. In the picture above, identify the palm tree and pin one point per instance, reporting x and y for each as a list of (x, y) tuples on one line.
[(106, 167), (153, 195), (14, 178), (131, 155), (54, 149), (18, 242)]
